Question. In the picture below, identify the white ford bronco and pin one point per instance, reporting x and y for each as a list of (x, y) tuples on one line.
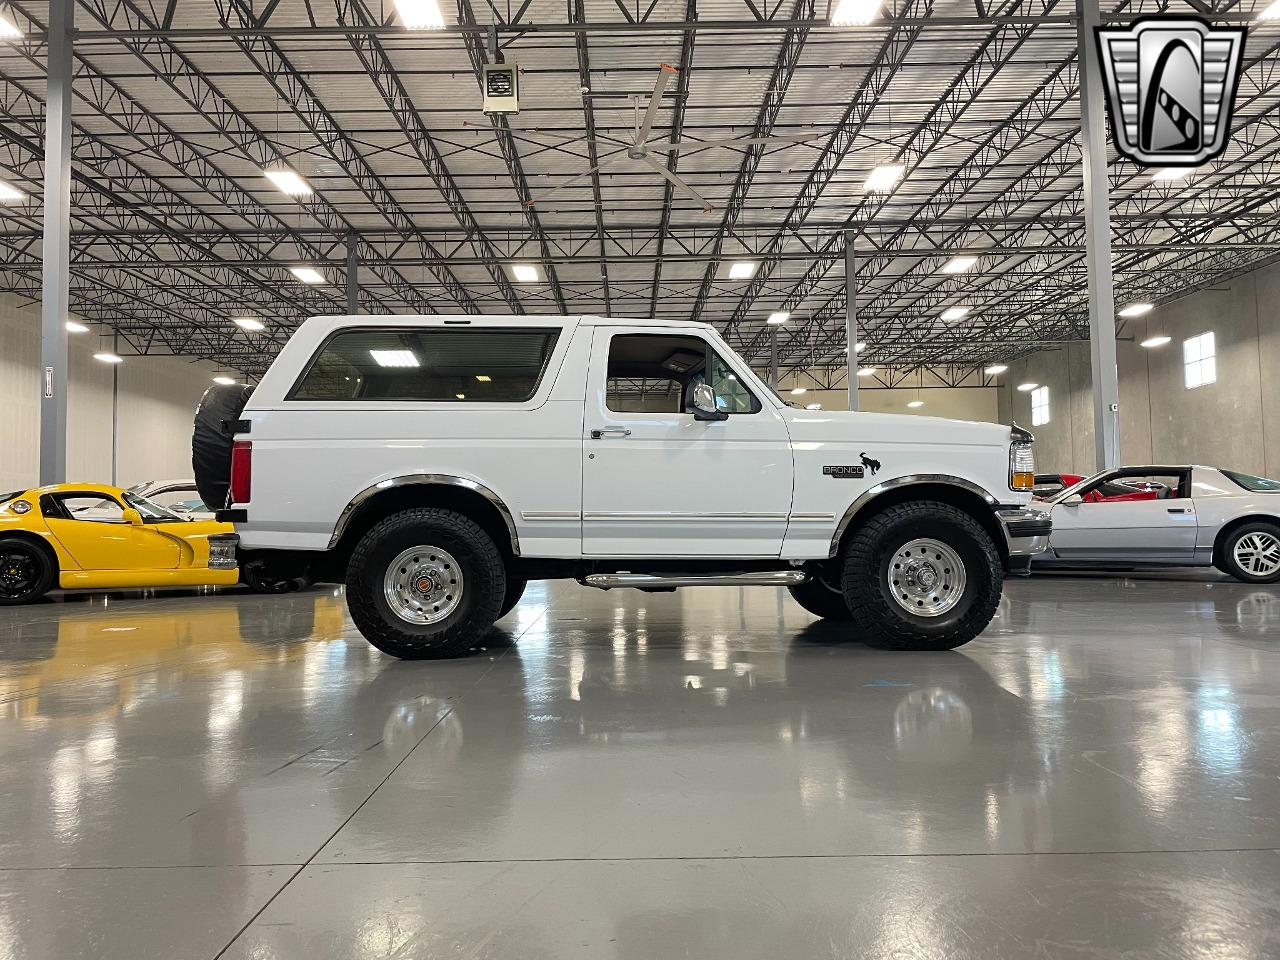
[(437, 464)]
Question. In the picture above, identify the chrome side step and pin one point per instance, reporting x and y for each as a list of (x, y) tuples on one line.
[(768, 578)]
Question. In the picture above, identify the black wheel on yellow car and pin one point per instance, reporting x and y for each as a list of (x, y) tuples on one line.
[(27, 572)]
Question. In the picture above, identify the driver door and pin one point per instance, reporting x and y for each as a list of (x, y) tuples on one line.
[(656, 482), (92, 528), (1134, 531)]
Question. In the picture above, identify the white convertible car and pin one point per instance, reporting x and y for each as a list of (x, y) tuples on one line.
[(1168, 516)]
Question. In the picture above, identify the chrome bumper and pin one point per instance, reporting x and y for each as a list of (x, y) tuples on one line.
[(1026, 531), (222, 551)]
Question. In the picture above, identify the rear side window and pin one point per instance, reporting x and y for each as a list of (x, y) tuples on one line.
[(1251, 483), (485, 364)]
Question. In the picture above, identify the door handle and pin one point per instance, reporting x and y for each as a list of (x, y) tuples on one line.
[(1178, 510), (603, 432)]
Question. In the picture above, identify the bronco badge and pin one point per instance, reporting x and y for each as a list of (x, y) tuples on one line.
[(843, 472)]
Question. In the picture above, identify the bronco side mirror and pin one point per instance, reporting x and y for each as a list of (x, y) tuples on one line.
[(704, 404)]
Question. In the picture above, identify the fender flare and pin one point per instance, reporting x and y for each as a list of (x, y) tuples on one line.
[(426, 480), (912, 479)]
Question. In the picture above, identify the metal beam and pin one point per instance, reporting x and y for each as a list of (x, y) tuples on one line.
[(56, 293), (851, 316)]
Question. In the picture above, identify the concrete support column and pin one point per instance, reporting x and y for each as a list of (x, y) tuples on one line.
[(353, 275), (1097, 230), (56, 269), (773, 359), (851, 315)]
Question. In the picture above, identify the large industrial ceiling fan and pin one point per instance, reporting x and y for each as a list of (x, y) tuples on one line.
[(640, 147)]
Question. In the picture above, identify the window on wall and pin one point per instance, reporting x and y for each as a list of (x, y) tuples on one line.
[(1200, 362), (1039, 406)]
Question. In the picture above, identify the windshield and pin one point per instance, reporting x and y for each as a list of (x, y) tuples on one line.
[(148, 510), (1251, 483)]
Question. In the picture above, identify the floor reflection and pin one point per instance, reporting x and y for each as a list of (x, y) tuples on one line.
[(233, 731)]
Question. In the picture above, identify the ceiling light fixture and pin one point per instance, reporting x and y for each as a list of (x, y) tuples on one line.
[(10, 193), (288, 181), (224, 380), (252, 324), (797, 391), (394, 358), (1169, 174), (1027, 387), (460, 396), (420, 14), (1156, 341), (859, 346), (883, 178), (8, 29), (483, 378), (915, 404), (995, 369), (778, 317), (742, 270), (76, 327), (307, 274), (1136, 310), (109, 357), (1271, 13), (959, 264), (954, 313), (524, 272), (866, 371), (854, 13)]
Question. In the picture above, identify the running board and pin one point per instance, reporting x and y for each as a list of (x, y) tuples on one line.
[(648, 581)]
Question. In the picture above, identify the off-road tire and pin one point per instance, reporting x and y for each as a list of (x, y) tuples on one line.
[(484, 584), (1226, 561), (870, 552), (821, 599), (211, 444), (515, 590), (44, 570)]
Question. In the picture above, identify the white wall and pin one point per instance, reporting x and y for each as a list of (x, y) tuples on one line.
[(155, 400), (1233, 423), (956, 403)]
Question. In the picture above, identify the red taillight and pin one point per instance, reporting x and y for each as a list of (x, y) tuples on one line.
[(241, 471)]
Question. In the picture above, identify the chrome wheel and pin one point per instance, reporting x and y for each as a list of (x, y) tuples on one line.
[(1257, 553), (423, 585), (926, 577)]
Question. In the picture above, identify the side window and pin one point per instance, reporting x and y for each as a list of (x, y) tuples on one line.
[(86, 506), (482, 364), (656, 373), (644, 395)]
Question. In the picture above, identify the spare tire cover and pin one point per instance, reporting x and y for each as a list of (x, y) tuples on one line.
[(211, 444)]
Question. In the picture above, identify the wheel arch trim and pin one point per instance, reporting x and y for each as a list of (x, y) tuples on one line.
[(424, 480), (912, 479)]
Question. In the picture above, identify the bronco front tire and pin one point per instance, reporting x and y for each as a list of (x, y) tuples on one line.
[(425, 584), (922, 576)]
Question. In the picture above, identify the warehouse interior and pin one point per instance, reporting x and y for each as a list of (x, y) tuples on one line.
[(915, 208)]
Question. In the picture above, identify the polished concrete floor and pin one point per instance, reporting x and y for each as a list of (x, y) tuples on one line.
[(705, 774)]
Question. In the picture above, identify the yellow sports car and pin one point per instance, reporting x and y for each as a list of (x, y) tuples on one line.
[(86, 535)]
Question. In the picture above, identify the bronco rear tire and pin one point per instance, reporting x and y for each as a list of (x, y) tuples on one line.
[(922, 576), (425, 584), (515, 590), (822, 599), (211, 445)]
